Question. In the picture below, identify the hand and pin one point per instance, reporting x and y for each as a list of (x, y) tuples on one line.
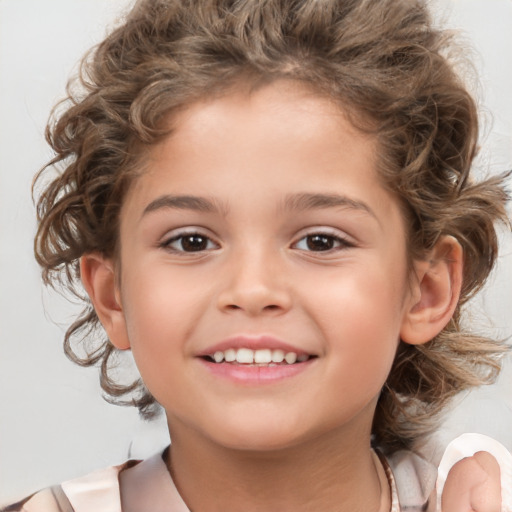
[(473, 485)]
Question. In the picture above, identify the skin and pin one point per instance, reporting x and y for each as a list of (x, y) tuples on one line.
[(301, 443), (473, 485)]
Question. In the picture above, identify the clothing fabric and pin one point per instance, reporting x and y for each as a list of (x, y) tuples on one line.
[(147, 485)]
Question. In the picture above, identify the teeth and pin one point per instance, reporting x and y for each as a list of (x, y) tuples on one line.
[(230, 355), (291, 357), (245, 355), (277, 356), (261, 356)]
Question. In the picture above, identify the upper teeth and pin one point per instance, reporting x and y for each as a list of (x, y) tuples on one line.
[(262, 356)]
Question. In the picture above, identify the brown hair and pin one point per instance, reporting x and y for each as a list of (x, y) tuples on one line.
[(387, 66)]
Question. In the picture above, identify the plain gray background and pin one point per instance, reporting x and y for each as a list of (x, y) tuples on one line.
[(53, 422)]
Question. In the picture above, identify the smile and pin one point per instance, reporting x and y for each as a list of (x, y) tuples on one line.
[(256, 360), (265, 356)]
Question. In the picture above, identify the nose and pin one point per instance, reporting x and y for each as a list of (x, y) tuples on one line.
[(255, 284)]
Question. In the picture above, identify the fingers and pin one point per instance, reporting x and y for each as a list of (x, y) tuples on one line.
[(473, 485)]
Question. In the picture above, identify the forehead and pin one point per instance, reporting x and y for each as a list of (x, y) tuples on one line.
[(279, 138), (274, 120), (283, 106)]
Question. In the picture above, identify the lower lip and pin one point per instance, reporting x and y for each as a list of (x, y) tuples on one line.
[(252, 374)]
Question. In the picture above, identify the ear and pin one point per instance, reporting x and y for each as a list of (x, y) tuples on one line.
[(435, 292), (99, 280)]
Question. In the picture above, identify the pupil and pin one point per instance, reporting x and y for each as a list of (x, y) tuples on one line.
[(194, 243), (320, 243)]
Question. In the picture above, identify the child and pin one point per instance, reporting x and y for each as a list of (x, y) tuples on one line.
[(269, 203)]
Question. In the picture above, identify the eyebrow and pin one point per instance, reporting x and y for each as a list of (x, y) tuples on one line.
[(295, 202), (195, 203), (309, 201)]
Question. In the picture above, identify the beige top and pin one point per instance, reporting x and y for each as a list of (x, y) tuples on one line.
[(410, 482), (147, 485)]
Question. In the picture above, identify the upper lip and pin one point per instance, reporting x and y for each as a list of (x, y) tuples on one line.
[(253, 343)]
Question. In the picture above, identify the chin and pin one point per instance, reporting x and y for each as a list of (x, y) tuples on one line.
[(262, 443), (258, 436)]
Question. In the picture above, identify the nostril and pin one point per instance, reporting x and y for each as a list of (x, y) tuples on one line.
[(269, 308), (253, 300)]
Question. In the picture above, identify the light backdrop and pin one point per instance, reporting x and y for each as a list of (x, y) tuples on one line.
[(54, 424)]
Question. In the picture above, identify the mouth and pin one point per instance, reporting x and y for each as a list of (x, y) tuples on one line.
[(256, 360), (266, 357)]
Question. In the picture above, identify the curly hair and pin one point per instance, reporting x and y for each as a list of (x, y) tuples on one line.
[(385, 63)]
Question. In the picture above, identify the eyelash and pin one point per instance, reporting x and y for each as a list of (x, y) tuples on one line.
[(338, 242), (182, 237), (335, 242)]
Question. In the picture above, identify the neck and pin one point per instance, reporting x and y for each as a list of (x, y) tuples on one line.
[(334, 472)]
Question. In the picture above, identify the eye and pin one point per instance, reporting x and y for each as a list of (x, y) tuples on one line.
[(321, 242), (190, 242)]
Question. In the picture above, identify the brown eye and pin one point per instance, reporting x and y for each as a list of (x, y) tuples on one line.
[(320, 242), (193, 242)]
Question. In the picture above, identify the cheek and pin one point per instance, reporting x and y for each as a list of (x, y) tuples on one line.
[(157, 294), (160, 310), (366, 297), (361, 314)]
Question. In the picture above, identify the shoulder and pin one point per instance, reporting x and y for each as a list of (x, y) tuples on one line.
[(47, 500), (95, 492)]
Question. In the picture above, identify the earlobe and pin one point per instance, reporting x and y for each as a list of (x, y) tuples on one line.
[(435, 293), (99, 280)]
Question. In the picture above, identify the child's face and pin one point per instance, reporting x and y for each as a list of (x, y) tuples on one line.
[(260, 223)]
